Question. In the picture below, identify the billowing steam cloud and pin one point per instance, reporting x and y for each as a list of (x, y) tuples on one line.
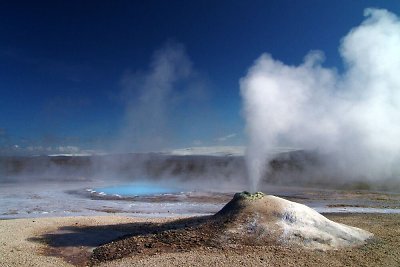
[(354, 117)]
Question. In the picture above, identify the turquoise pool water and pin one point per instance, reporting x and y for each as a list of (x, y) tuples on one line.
[(137, 189)]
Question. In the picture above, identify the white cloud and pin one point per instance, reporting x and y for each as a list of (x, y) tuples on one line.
[(197, 142), (67, 149), (226, 137)]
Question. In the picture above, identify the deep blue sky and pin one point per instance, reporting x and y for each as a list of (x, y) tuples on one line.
[(61, 62)]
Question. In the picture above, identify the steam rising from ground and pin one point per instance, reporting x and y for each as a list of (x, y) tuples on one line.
[(152, 97), (353, 117)]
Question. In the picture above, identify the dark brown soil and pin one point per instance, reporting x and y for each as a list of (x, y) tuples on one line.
[(164, 241)]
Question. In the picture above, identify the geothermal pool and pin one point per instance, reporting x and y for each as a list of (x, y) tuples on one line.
[(82, 198), (137, 189)]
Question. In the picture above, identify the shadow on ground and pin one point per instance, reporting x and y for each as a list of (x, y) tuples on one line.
[(75, 243)]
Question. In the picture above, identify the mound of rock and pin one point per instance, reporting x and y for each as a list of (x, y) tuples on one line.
[(261, 219), (247, 220)]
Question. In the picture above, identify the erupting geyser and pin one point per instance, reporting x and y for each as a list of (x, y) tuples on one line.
[(352, 116)]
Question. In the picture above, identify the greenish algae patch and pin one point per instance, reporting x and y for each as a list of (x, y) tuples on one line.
[(249, 196)]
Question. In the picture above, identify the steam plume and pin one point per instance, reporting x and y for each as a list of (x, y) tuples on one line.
[(353, 116), (151, 97)]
